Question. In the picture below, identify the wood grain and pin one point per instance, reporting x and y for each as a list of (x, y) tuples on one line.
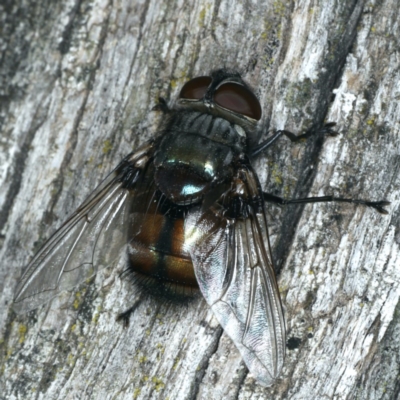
[(78, 82)]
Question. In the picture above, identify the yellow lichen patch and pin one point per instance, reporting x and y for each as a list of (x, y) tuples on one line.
[(160, 347), (141, 357), (136, 393), (286, 191), (176, 363), (278, 179), (22, 331), (371, 121), (73, 327), (159, 317), (276, 175), (107, 146), (78, 296), (283, 288), (95, 318), (202, 14), (159, 384), (70, 359), (8, 353), (279, 8)]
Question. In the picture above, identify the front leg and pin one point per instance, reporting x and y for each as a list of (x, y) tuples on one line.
[(162, 106), (326, 130)]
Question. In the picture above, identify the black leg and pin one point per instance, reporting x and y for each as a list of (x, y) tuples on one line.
[(327, 130), (378, 205), (161, 106), (124, 316)]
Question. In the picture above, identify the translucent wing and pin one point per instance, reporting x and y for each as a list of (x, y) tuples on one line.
[(90, 239), (230, 251)]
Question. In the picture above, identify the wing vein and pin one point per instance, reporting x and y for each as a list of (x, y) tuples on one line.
[(67, 258)]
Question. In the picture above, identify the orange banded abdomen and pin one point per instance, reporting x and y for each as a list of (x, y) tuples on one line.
[(157, 251)]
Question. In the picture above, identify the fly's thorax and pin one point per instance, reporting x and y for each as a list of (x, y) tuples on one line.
[(215, 128), (195, 154)]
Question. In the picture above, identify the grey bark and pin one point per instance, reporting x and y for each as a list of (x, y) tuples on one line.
[(78, 81)]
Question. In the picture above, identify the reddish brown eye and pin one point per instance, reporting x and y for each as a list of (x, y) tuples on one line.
[(238, 98), (196, 88)]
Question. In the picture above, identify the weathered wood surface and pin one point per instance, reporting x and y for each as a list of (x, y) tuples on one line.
[(78, 81)]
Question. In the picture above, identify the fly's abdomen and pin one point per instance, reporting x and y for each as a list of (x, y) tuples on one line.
[(157, 255)]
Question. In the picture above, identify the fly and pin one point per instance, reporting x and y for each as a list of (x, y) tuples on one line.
[(189, 208)]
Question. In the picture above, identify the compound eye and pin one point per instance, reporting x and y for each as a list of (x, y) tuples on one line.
[(238, 98), (196, 88)]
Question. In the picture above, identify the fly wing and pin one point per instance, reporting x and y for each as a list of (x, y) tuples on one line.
[(231, 256), (90, 239)]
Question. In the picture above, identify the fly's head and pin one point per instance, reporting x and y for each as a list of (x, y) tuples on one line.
[(226, 95)]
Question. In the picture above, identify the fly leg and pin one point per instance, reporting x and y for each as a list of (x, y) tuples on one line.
[(124, 316), (162, 106), (327, 130), (377, 205)]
